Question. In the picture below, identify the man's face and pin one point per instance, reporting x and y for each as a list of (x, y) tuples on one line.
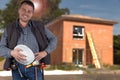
[(25, 12)]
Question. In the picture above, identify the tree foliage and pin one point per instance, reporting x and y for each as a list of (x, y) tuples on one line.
[(54, 10), (10, 12), (116, 49)]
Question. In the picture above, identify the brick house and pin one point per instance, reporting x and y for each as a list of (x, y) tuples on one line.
[(82, 40)]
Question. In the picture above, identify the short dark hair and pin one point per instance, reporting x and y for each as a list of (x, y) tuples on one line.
[(27, 2)]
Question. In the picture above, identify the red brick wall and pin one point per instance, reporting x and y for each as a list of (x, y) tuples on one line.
[(102, 35), (1, 64), (57, 29), (103, 40)]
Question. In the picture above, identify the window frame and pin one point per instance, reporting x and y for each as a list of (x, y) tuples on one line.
[(78, 34)]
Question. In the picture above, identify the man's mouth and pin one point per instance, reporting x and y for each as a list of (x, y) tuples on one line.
[(25, 16)]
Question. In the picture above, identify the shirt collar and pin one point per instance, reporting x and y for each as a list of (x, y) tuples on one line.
[(18, 24)]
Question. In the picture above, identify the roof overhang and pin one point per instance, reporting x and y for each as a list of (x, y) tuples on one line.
[(81, 18)]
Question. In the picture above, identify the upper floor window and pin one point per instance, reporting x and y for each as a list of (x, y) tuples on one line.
[(78, 32)]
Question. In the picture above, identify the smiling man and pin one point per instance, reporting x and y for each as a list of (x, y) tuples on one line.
[(27, 32)]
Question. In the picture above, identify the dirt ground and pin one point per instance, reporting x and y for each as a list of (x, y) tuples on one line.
[(78, 77), (92, 74)]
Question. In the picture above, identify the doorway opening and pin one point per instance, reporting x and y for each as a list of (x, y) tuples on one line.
[(78, 56)]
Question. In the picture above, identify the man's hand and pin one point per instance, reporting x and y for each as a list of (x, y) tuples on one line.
[(16, 53), (40, 55)]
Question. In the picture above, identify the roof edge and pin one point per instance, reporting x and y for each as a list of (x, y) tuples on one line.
[(82, 18)]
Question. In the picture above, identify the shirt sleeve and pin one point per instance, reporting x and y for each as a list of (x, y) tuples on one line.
[(52, 41), (4, 50)]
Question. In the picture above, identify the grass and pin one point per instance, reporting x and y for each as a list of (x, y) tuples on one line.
[(63, 67), (1, 58)]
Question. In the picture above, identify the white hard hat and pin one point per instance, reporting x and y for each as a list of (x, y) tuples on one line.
[(27, 52)]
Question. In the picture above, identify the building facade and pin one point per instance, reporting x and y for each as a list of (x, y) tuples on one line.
[(82, 40)]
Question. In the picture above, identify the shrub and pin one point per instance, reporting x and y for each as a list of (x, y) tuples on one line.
[(63, 67)]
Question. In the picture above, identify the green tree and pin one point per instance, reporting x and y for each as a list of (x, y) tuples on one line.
[(0, 14), (10, 12), (0, 18), (116, 49), (54, 11)]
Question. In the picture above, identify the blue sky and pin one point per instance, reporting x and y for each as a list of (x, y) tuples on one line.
[(106, 9)]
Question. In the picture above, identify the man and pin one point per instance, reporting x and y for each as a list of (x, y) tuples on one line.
[(30, 33)]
